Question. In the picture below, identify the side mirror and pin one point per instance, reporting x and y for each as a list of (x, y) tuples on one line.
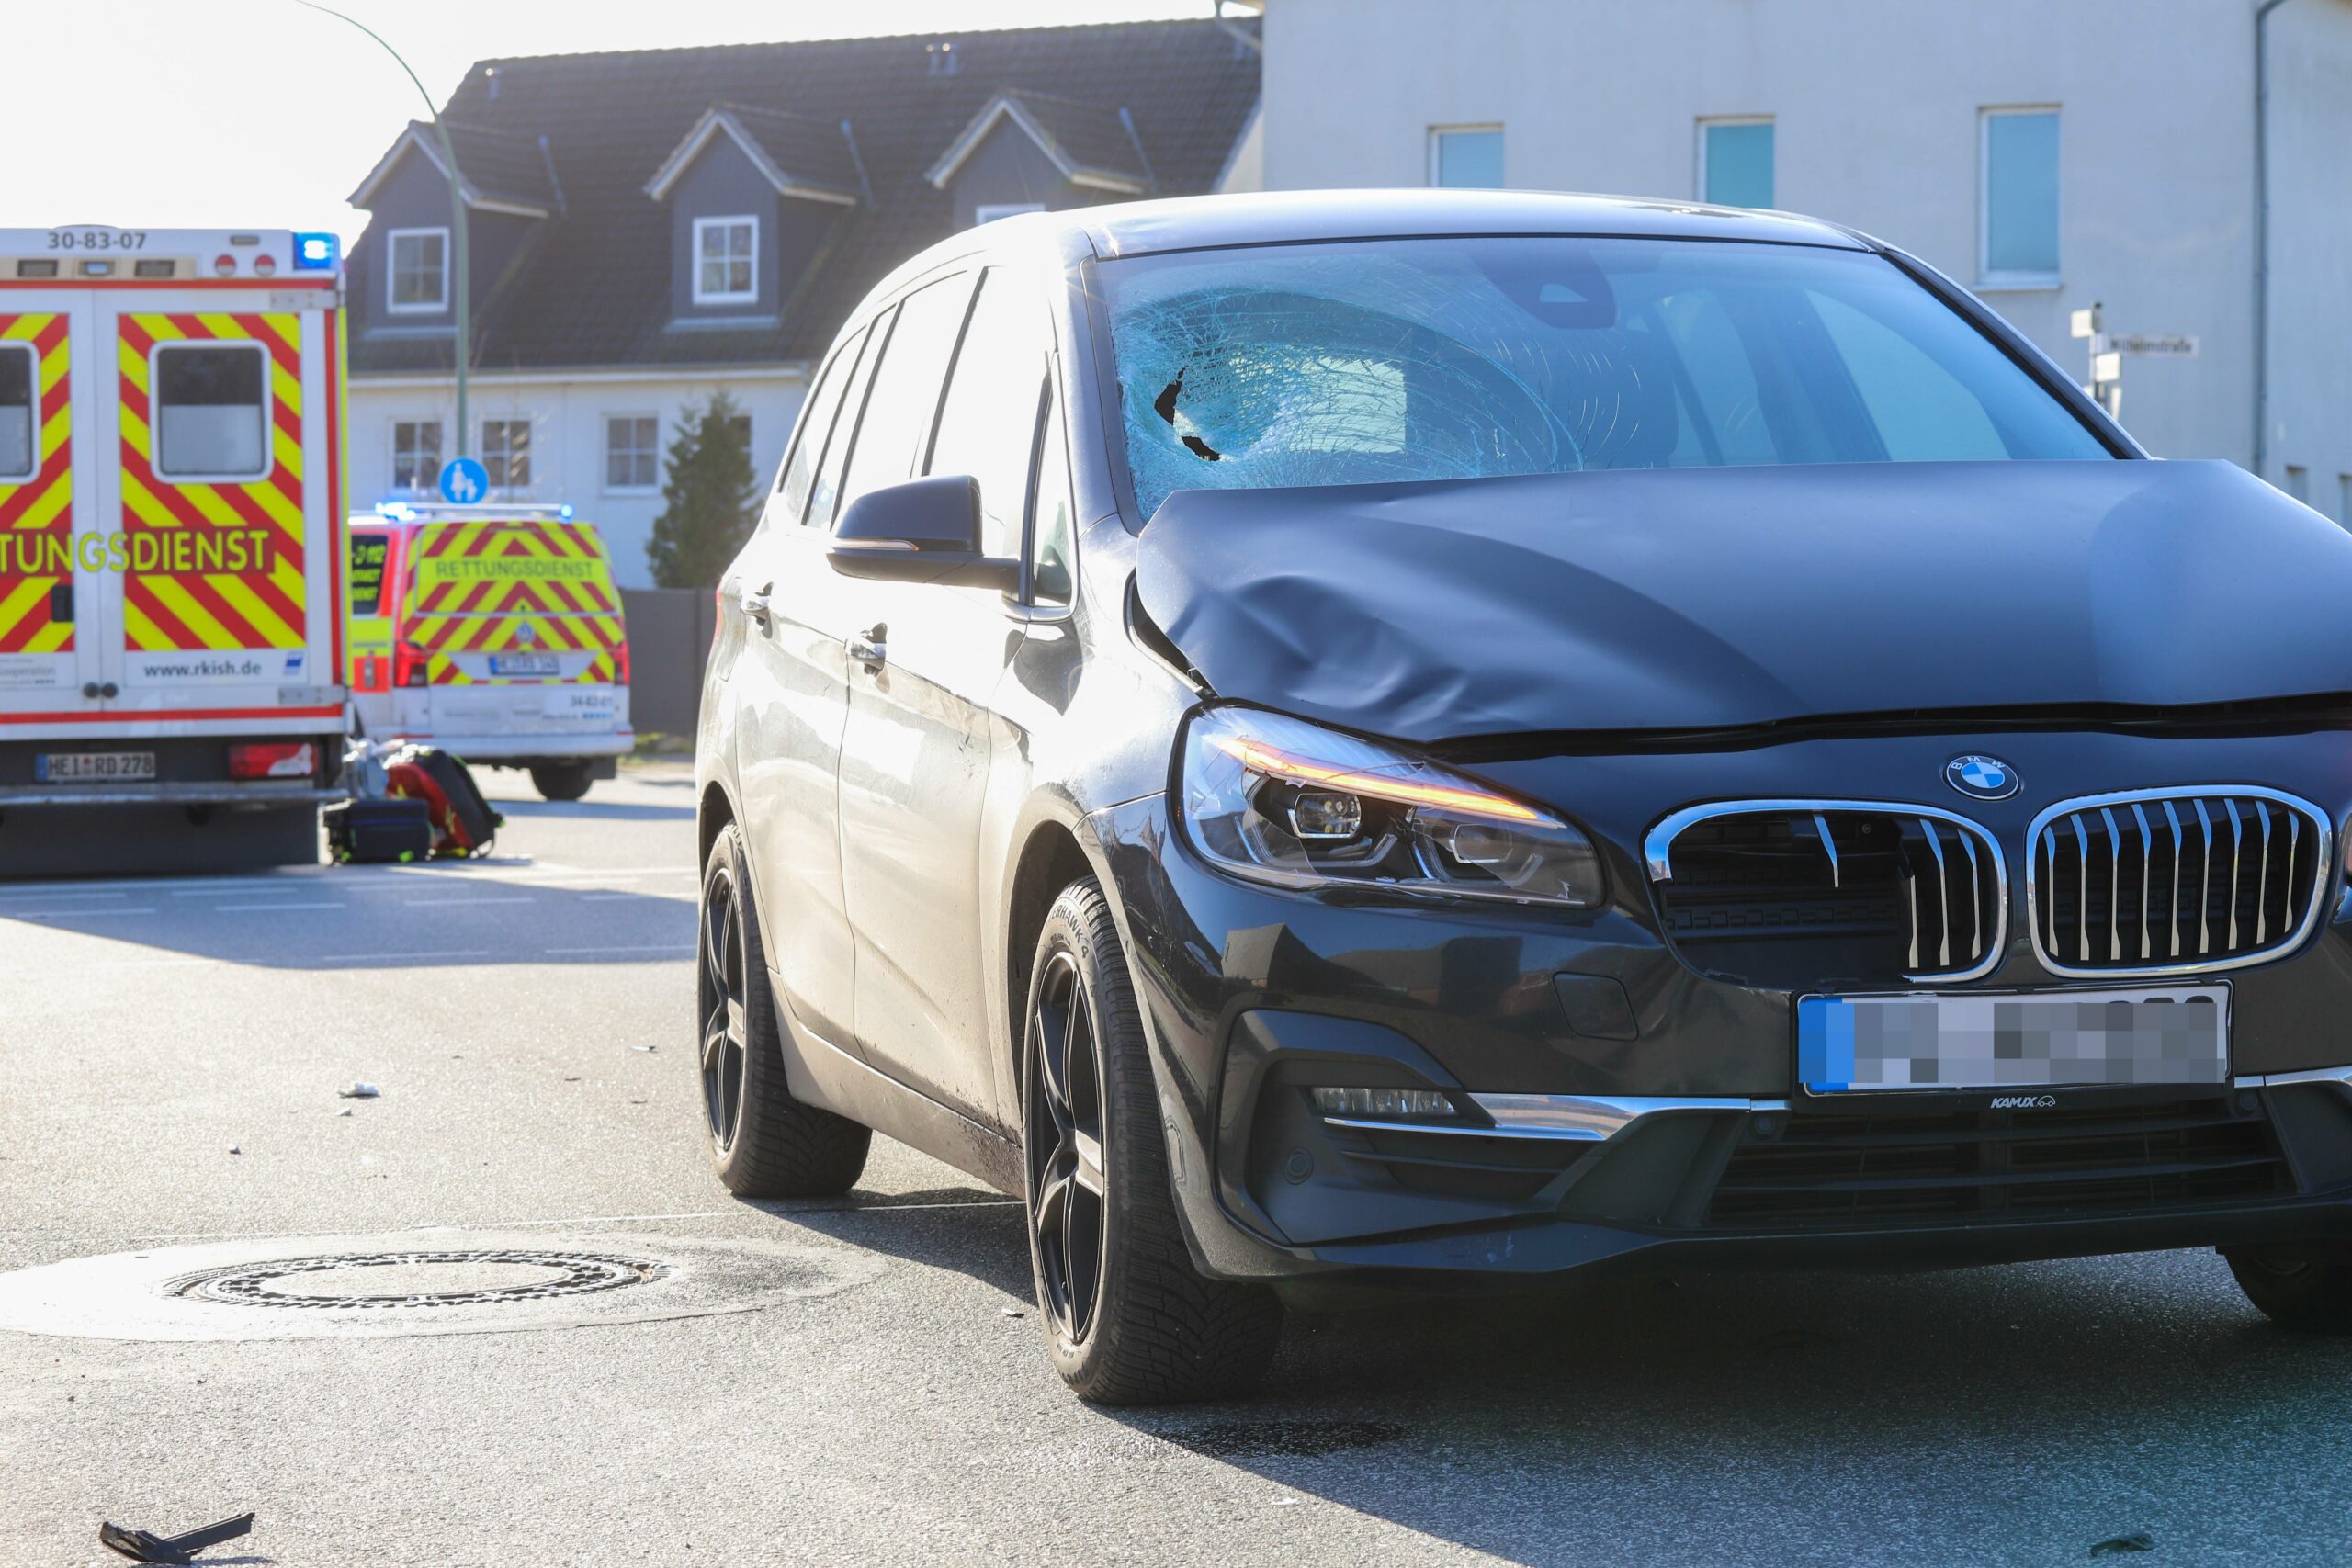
[(921, 531)]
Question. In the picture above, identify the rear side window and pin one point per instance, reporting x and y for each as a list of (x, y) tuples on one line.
[(816, 422), (824, 494), (989, 416), (18, 450), (905, 398), (210, 418)]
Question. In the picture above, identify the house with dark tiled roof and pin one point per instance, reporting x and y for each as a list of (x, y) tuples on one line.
[(650, 227)]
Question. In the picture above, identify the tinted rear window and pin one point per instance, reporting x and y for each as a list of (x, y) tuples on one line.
[(1459, 358)]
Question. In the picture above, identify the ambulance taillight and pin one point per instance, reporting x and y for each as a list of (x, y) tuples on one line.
[(273, 760), (408, 665)]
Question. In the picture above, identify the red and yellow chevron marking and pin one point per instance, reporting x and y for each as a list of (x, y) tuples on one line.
[(226, 558), (38, 513), (521, 585)]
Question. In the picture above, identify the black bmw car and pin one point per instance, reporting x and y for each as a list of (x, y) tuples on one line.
[(1437, 738)]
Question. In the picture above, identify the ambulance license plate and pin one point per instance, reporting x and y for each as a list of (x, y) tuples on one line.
[(535, 665), (93, 767)]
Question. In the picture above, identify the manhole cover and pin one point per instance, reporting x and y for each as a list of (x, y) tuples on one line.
[(432, 1281), (415, 1279)]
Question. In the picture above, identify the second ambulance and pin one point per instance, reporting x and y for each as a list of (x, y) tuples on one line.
[(495, 632)]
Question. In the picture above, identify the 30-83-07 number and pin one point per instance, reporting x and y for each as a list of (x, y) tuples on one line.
[(97, 239)]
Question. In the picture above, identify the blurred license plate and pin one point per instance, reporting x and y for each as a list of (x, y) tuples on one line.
[(93, 767), (531, 664), (2017, 1039)]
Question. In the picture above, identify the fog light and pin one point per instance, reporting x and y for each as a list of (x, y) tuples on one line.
[(1382, 1102)]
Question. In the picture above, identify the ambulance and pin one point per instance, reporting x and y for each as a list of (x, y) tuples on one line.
[(492, 631), (171, 546)]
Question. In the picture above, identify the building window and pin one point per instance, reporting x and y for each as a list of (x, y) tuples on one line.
[(211, 411), (417, 455), (506, 452), (2299, 483), (1735, 163), (727, 253), (417, 281), (2343, 498), (739, 426), (632, 452), (989, 211), (2018, 205), (1468, 157)]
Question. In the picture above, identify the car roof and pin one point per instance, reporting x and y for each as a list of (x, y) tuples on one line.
[(1267, 217), (1140, 228)]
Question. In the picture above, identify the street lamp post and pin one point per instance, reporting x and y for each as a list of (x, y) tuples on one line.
[(457, 211)]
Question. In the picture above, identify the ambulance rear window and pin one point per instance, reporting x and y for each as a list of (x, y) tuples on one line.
[(211, 420), (17, 382)]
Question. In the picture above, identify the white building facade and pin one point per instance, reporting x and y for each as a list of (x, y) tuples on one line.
[(591, 438), (2049, 155)]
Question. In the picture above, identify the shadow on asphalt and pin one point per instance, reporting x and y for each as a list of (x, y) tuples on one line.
[(2012, 1413), (971, 1230), (1652, 1420)]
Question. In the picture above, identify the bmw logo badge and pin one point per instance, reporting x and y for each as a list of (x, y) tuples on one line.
[(1984, 778)]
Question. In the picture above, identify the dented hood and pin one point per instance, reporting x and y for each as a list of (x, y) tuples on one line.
[(1701, 598)]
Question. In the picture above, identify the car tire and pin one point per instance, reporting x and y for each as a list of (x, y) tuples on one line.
[(560, 781), (2308, 1288), (1130, 1320), (764, 1143)]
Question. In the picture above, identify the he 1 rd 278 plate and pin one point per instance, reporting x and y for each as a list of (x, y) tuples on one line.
[(1920, 1041)]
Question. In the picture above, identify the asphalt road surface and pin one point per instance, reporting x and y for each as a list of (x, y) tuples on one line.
[(861, 1381)]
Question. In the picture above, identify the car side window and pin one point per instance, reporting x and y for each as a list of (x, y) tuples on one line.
[(989, 418), (798, 474), (1052, 530), (824, 492), (904, 400)]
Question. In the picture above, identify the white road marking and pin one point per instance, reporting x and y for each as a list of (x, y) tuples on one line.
[(71, 914), (689, 947), (261, 908), (391, 957), (435, 903)]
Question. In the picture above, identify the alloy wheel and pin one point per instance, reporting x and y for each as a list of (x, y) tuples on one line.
[(1067, 1188), (720, 992)]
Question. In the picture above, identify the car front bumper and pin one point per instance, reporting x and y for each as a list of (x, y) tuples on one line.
[(1656, 1126)]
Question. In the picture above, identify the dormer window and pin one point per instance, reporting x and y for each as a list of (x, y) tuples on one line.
[(418, 278), (727, 253)]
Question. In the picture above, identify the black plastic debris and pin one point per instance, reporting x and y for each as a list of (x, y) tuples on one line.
[(144, 1546), (2116, 1546)]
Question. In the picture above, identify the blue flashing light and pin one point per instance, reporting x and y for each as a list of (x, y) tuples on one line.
[(396, 511), (315, 253), (564, 512)]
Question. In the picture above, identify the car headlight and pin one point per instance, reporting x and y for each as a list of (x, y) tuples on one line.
[(1280, 800)]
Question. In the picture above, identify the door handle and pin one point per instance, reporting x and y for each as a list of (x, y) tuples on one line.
[(870, 647), (754, 602)]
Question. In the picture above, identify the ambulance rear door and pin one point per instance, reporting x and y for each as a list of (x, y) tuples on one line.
[(54, 594), (220, 422), (521, 623)]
